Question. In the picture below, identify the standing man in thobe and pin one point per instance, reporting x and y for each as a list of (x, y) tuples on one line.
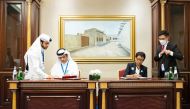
[(34, 58)]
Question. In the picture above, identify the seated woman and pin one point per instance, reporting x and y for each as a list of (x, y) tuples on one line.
[(65, 66), (136, 69)]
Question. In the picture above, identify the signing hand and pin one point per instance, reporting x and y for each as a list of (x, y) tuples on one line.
[(49, 77), (136, 75)]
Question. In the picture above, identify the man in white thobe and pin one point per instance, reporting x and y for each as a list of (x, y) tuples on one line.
[(34, 58), (65, 66)]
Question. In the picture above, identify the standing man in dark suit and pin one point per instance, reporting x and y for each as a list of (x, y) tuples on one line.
[(166, 54), (136, 69)]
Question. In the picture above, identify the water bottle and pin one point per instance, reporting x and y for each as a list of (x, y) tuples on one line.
[(171, 75), (20, 75), (175, 73), (166, 74), (14, 76)]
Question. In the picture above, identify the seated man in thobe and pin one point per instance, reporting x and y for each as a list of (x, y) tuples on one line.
[(136, 69), (64, 66)]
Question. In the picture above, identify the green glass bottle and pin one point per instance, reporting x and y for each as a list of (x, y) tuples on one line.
[(20, 75), (171, 74)]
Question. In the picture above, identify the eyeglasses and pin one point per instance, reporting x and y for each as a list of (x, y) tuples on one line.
[(140, 59)]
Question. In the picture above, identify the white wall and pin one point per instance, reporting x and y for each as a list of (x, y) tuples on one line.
[(52, 9)]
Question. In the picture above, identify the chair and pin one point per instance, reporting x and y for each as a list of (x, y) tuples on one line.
[(121, 72)]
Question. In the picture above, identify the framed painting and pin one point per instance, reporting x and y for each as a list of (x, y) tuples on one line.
[(98, 39)]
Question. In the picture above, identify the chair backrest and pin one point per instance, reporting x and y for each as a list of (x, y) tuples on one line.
[(121, 72)]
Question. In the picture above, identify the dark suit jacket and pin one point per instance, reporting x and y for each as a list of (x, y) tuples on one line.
[(131, 68), (167, 60)]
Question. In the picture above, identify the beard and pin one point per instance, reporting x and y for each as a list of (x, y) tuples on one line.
[(44, 47)]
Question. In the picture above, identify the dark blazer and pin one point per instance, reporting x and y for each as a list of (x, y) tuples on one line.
[(131, 68), (167, 60)]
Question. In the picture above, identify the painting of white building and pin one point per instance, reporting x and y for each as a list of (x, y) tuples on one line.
[(100, 38)]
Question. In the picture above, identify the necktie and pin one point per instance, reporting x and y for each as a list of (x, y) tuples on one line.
[(162, 47)]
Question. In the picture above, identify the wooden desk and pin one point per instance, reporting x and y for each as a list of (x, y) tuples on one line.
[(140, 94), (80, 94), (53, 94)]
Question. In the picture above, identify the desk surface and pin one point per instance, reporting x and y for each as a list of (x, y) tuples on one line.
[(101, 80), (140, 80)]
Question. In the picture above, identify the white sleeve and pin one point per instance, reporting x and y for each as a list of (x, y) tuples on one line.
[(34, 65), (159, 55), (171, 53), (55, 71), (74, 69)]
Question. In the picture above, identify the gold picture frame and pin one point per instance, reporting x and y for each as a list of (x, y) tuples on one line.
[(98, 39)]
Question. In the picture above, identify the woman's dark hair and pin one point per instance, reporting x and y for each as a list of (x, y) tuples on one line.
[(142, 54), (163, 32)]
